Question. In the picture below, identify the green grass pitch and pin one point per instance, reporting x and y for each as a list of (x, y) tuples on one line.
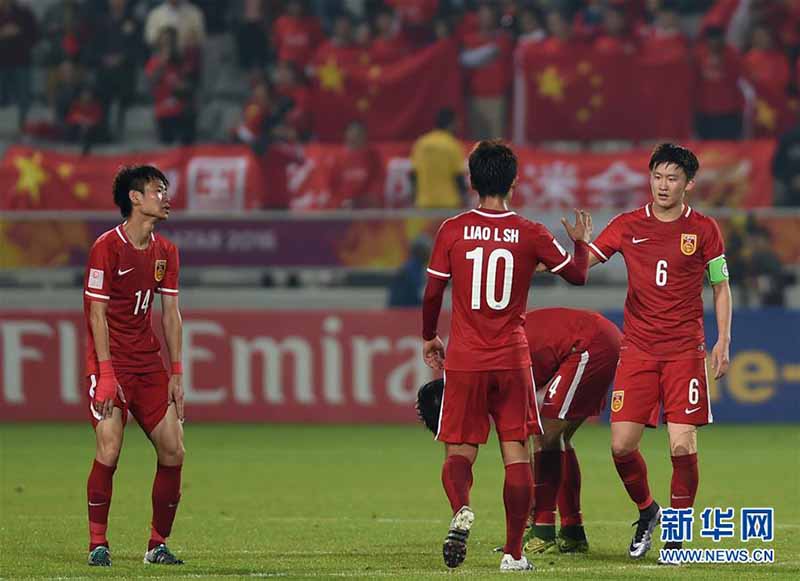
[(358, 502)]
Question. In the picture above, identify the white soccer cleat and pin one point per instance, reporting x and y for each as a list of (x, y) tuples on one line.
[(509, 563), (454, 549), (643, 537)]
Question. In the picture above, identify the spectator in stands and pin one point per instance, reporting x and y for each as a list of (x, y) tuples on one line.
[(389, 43), (487, 60), (765, 64), (664, 41), (251, 34), (275, 153), (437, 162), (765, 278), (531, 29), (719, 102), (180, 15), (67, 84), (786, 169), (255, 114), (408, 283), (341, 47), (297, 34), (17, 36), (356, 174), (614, 37), (85, 120), (589, 20), (289, 85), (116, 53), (173, 83), (416, 16), (559, 32), (66, 32)]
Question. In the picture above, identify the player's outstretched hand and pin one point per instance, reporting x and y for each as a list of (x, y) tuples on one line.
[(582, 229), (720, 359), (433, 353), (176, 393)]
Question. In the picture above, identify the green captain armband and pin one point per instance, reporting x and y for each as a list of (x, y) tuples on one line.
[(717, 270)]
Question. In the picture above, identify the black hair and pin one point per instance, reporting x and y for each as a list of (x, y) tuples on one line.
[(492, 168), (670, 153), (134, 177), (445, 118)]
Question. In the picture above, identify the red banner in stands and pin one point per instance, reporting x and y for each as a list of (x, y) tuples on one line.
[(238, 366), (229, 178)]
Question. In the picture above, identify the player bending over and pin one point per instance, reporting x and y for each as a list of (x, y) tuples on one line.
[(574, 354), (668, 248), (127, 267), (490, 253)]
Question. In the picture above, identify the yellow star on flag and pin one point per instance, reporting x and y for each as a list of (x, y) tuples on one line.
[(584, 67), (81, 190), (597, 101), (64, 170), (374, 72), (596, 81), (31, 175), (363, 104), (331, 77), (551, 84), (583, 114), (765, 115)]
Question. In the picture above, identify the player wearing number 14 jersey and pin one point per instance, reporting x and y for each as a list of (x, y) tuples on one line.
[(128, 266), (668, 248), (490, 254)]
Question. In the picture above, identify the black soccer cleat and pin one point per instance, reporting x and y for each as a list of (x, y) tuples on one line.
[(161, 555), (670, 546), (643, 537), (454, 549), (100, 557)]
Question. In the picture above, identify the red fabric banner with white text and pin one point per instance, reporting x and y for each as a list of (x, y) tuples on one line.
[(229, 178)]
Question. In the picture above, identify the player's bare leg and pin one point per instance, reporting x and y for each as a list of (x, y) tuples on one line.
[(632, 469), (457, 481), (517, 497), (167, 438), (685, 475), (108, 435), (571, 535)]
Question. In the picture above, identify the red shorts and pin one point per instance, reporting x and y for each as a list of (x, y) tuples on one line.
[(146, 396), (579, 388), (643, 386), (471, 397)]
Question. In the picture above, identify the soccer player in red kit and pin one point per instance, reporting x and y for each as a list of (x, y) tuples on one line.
[(574, 354), (668, 247), (490, 253), (128, 265)]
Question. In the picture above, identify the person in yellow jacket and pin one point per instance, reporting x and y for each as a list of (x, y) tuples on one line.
[(437, 160)]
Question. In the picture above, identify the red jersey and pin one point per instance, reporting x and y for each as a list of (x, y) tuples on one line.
[(490, 257), (171, 77), (296, 39), (666, 262), (357, 179), (554, 334), (127, 279), (767, 68), (494, 78), (717, 82)]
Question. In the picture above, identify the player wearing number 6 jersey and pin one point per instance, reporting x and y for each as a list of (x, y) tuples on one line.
[(490, 254), (128, 266), (668, 248)]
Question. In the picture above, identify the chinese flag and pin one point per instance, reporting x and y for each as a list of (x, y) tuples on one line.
[(397, 101)]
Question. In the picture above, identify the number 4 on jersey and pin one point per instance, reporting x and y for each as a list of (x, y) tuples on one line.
[(476, 256)]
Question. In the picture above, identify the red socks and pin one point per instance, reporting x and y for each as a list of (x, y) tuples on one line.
[(457, 481), (685, 478), (547, 477), (517, 497), (569, 493), (633, 472), (166, 496), (98, 493)]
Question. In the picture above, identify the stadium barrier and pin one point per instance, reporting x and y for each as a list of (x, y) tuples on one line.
[(337, 366)]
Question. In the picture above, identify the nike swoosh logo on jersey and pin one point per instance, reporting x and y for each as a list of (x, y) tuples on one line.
[(124, 272), (639, 240), (688, 411)]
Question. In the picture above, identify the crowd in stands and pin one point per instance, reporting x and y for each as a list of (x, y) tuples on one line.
[(97, 53)]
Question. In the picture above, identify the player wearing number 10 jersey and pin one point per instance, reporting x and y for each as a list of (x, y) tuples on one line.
[(490, 254), (668, 247), (127, 266)]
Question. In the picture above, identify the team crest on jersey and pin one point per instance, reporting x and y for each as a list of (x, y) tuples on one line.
[(688, 244), (617, 399), (161, 270)]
